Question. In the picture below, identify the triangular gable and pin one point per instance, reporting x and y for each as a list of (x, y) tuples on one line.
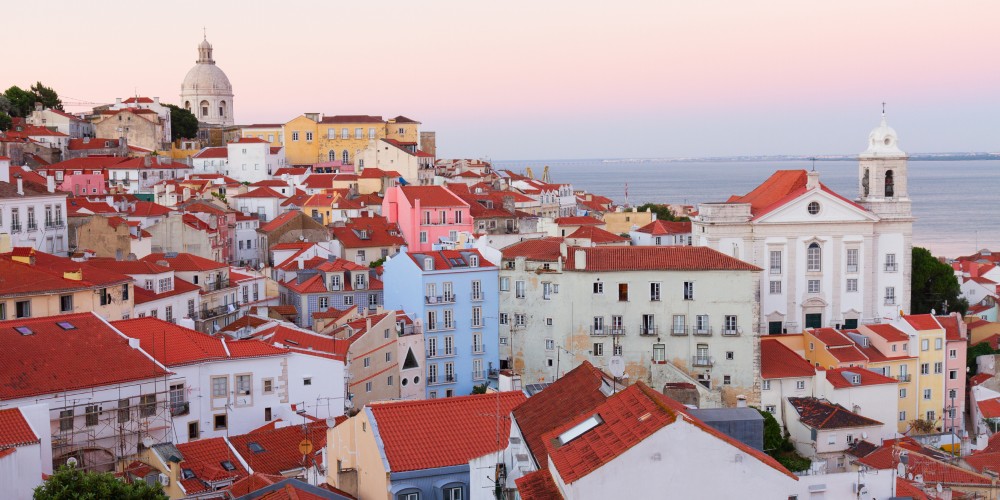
[(832, 208), (411, 360)]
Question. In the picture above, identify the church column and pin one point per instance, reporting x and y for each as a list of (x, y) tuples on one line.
[(836, 314), (870, 251), (792, 313)]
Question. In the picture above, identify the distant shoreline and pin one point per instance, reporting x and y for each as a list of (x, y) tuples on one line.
[(767, 158)]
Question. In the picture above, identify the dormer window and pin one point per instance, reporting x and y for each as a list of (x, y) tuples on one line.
[(473, 261), (335, 282), (428, 264)]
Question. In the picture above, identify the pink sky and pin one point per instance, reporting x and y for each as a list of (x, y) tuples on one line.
[(529, 79)]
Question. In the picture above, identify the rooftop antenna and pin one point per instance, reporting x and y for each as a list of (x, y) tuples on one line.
[(813, 163), (883, 109)]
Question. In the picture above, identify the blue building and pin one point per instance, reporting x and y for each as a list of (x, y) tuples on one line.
[(329, 283), (455, 294)]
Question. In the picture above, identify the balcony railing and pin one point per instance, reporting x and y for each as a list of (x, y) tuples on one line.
[(648, 331), (215, 312), (439, 299), (598, 331), (435, 380), (617, 330), (705, 330), (891, 267), (890, 301), (476, 297), (678, 331), (702, 361), (477, 323), (212, 286), (477, 349), (478, 375), (605, 331), (15, 228), (410, 329), (54, 225), (179, 409), (902, 378), (732, 332)]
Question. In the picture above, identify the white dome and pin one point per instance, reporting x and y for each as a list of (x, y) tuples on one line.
[(883, 141), (207, 79)]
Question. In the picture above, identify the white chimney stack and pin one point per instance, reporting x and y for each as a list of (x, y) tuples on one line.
[(4, 169), (50, 183), (812, 179), (20, 184), (580, 256)]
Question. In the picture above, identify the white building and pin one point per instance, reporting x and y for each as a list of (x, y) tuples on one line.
[(661, 232), (246, 252), (262, 203), (61, 121), (25, 449), (675, 314), (206, 90), (33, 217), (825, 431), (152, 104), (827, 261), (213, 160), (864, 392), (784, 373), (253, 160), (158, 293)]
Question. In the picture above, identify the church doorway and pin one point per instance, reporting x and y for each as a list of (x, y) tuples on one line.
[(814, 320)]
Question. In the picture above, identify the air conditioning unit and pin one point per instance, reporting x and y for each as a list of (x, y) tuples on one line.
[(164, 480)]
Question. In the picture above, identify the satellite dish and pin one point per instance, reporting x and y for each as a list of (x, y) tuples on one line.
[(939, 488), (71, 461), (617, 366), (348, 404), (147, 442), (901, 470), (331, 422)]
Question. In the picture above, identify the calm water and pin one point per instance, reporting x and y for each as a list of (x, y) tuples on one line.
[(955, 202)]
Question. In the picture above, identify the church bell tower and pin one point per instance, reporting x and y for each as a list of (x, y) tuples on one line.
[(882, 175)]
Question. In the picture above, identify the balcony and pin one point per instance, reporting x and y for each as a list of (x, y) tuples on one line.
[(902, 378), (478, 349), (476, 297), (891, 267), (705, 331), (678, 331), (410, 330), (890, 301), (702, 361), (215, 312), (478, 375), (54, 225), (435, 380), (439, 299), (617, 330), (604, 331), (648, 331), (212, 286), (477, 323), (732, 332), (15, 228), (179, 409), (596, 331)]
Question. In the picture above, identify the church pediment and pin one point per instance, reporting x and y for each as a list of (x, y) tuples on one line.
[(817, 206)]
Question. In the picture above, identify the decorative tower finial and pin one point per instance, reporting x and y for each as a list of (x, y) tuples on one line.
[(204, 36), (883, 109)]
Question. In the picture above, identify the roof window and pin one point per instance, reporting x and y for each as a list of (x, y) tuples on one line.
[(255, 447), (226, 464), (66, 325), (23, 330), (580, 429)]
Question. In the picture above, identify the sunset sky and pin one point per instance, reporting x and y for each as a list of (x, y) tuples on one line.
[(547, 79)]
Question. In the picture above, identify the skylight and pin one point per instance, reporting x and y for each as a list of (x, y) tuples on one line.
[(255, 447), (580, 429), (187, 474), (226, 464), (66, 325), (23, 330)]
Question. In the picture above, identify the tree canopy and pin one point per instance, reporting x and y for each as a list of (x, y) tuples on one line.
[(47, 96), (662, 212), (72, 483), (183, 123), (20, 102), (5, 121), (933, 285)]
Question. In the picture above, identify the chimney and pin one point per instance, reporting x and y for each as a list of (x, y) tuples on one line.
[(50, 183), (580, 256), (812, 179), (20, 184), (118, 101), (38, 106), (147, 161), (156, 100), (4, 170)]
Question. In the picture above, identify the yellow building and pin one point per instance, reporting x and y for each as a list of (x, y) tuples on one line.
[(270, 132), (623, 220), (930, 340), (828, 348), (888, 352), (312, 138)]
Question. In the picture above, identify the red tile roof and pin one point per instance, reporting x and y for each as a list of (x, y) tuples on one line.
[(923, 322), (281, 447), (979, 378), (51, 274), (672, 258), (982, 461), (952, 328), (87, 144), (261, 192), (990, 408), (888, 332), (841, 378), (579, 221), (907, 489), (294, 338), (449, 259), (174, 345), (573, 394), (782, 187), (918, 463), (49, 361), (831, 337), (661, 227), (778, 361), (538, 485), (365, 232), (824, 415), (14, 429), (432, 196), (281, 220), (143, 296), (432, 433), (597, 235), (546, 249), (185, 262), (204, 457), (148, 209)]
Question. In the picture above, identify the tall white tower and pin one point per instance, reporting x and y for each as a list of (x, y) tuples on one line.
[(882, 175), (206, 90)]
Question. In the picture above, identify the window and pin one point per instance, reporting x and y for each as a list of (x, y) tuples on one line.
[(309, 136), (852, 260), (348, 300), (477, 290), (388, 357), (814, 258), (775, 287), (765, 385), (345, 133), (295, 135), (726, 380), (938, 344), (800, 384), (770, 408), (324, 302), (221, 422), (890, 263), (504, 284), (852, 284), (890, 295), (679, 326), (775, 261), (623, 292), (730, 355), (220, 387), (23, 308), (367, 361), (368, 386), (32, 223), (91, 416), (65, 303), (455, 493), (504, 318), (423, 236), (519, 289), (925, 368), (147, 405), (520, 319), (359, 133), (688, 290), (928, 393), (598, 287), (938, 367), (831, 439), (701, 323), (659, 353), (812, 286), (953, 374), (931, 416), (598, 349), (243, 385), (124, 413), (654, 291), (902, 393), (731, 326), (925, 344), (307, 381), (952, 353), (66, 420), (813, 209), (902, 416)]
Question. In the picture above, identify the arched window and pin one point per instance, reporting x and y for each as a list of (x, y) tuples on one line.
[(187, 105), (346, 157), (331, 156), (222, 108), (814, 257), (204, 108), (889, 183)]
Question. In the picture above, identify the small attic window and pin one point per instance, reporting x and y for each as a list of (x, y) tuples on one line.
[(66, 325), (428, 264), (187, 474), (226, 464), (579, 429), (473, 261), (855, 379), (23, 330), (255, 447)]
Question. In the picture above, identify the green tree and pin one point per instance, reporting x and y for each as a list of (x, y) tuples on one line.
[(5, 121), (21, 101), (5, 106), (479, 389), (183, 124), (662, 212), (980, 349), (47, 96), (72, 483), (934, 284)]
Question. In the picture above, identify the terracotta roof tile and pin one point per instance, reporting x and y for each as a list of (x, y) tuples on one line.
[(546, 249), (888, 332), (923, 322), (365, 232), (672, 258), (185, 262), (281, 447), (597, 235), (14, 429), (538, 485), (990, 408), (432, 433), (579, 221), (432, 196), (204, 458), (822, 414), (51, 274), (48, 360), (174, 345), (842, 378), (261, 192), (779, 361), (661, 227)]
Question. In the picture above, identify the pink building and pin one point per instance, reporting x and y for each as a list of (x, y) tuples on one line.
[(956, 343), (84, 184), (426, 215)]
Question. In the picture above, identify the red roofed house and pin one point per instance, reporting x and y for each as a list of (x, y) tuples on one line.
[(670, 310), (221, 387), (367, 239), (323, 283), (427, 216), (828, 260), (660, 232), (218, 304), (824, 431), (104, 393), (33, 216), (867, 393), (61, 121), (601, 447), (197, 469), (783, 372), (393, 449), (112, 237), (158, 293), (25, 448), (143, 105)]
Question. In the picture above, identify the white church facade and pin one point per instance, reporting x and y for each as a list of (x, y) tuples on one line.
[(827, 261), (206, 91)]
